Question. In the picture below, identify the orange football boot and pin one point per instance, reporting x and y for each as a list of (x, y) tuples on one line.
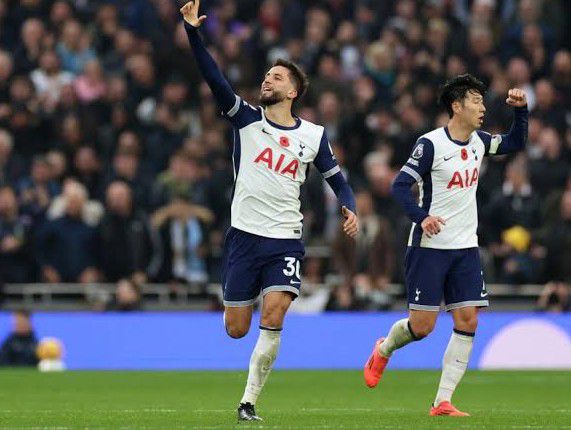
[(447, 408), (375, 366)]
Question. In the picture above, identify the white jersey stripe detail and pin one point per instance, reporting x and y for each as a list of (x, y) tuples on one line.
[(411, 172), (235, 108), (331, 172)]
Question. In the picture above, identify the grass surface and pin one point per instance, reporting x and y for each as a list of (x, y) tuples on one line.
[(300, 399)]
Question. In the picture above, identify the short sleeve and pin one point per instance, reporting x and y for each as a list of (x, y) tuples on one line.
[(325, 160), (242, 113), (420, 160)]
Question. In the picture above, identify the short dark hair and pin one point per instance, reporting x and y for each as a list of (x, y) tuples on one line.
[(297, 75), (457, 88)]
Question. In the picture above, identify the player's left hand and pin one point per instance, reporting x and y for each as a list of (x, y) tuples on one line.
[(351, 224), (516, 98)]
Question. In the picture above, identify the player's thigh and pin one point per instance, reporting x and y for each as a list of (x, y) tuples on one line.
[(274, 308), (425, 272), (422, 322), (281, 270), (241, 271), (465, 319), (464, 286)]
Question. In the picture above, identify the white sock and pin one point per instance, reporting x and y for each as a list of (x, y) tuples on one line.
[(454, 365), (261, 361), (399, 336)]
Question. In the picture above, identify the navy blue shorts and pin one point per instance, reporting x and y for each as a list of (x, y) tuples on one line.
[(254, 264), (455, 274)]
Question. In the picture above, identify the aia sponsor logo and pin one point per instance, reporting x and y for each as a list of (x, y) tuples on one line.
[(278, 162), (464, 179)]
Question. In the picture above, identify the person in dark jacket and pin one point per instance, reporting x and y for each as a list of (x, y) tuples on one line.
[(16, 263), (19, 348), (67, 247), (126, 237)]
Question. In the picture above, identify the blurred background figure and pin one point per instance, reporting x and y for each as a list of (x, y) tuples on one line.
[(19, 349)]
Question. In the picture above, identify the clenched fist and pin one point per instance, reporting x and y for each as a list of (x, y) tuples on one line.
[(516, 98)]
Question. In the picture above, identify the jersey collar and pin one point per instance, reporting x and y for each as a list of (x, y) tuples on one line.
[(457, 142), (283, 127)]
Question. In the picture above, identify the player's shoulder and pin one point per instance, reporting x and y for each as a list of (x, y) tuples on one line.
[(244, 114), (426, 142), (436, 137), (484, 136), (311, 132)]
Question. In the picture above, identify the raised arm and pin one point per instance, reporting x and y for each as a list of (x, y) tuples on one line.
[(516, 138), (223, 93), (331, 172)]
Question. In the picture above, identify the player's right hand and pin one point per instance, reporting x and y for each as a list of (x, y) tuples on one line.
[(190, 13), (431, 225), (351, 223)]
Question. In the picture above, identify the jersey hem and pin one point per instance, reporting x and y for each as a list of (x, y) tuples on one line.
[(266, 234), (448, 248)]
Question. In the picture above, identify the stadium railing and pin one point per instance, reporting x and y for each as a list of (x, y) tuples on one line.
[(171, 297)]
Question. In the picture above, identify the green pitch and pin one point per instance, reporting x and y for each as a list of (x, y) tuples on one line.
[(313, 400)]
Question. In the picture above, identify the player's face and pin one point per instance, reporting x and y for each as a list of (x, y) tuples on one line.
[(473, 109), (277, 87)]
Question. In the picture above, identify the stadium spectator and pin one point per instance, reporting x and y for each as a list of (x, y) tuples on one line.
[(16, 262), (6, 70), (127, 296), (183, 231), (182, 179), (511, 215), (49, 80), (126, 237), (367, 264), (548, 109), (550, 170), (91, 212), (74, 47), (138, 100), (90, 85), (11, 166), (554, 298), (19, 348), (37, 191), (27, 54), (556, 237), (86, 169), (68, 248)]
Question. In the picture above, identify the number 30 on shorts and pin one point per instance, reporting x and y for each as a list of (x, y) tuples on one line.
[(292, 267)]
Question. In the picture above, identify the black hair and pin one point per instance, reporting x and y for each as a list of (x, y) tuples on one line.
[(297, 75), (457, 88)]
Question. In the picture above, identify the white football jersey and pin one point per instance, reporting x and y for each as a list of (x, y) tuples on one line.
[(270, 165), (447, 172)]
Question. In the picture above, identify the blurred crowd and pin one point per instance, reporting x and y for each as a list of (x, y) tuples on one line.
[(116, 165)]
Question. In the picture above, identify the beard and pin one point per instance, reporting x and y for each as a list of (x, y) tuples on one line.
[(271, 99)]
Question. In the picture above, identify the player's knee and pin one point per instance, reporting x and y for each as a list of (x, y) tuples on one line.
[(421, 329), (468, 324), (236, 331)]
